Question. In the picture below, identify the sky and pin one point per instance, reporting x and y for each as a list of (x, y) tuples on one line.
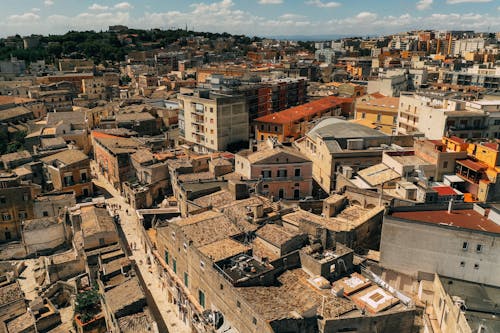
[(251, 17)]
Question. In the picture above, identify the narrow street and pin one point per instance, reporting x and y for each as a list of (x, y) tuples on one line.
[(131, 228)]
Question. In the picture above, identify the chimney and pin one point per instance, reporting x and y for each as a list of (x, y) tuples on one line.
[(450, 206)]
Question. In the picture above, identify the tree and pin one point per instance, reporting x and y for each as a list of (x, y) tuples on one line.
[(87, 304)]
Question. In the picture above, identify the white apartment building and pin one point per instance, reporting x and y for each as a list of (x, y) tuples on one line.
[(210, 122), (436, 115), (462, 46)]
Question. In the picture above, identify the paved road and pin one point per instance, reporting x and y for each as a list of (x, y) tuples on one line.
[(131, 228)]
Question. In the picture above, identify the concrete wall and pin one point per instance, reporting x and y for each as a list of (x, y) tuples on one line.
[(448, 315), (51, 207), (401, 321), (410, 247), (64, 266), (44, 239)]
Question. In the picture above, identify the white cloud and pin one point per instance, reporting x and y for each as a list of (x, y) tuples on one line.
[(96, 6), (289, 16), (453, 2), (366, 16), (22, 18), (35, 9), (424, 4), (320, 4), (225, 16), (48, 2), (270, 2), (123, 6)]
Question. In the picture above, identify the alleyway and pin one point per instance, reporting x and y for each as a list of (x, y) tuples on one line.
[(130, 225)]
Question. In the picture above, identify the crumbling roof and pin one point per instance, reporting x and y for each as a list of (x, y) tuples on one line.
[(39, 224), (18, 111), (275, 234), (223, 249), (66, 157), (72, 117), (124, 294), (96, 220), (207, 227), (294, 295), (10, 293)]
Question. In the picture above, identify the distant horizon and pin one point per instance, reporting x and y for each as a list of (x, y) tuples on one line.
[(292, 37), (252, 17)]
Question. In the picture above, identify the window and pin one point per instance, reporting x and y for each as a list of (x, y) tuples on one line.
[(266, 173), (282, 173), (174, 265), (83, 176), (45, 213), (445, 164), (186, 279), (266, 186), (462, 264), (465, 246), (68, 181), (254, 321), (201, 298), (363, 115), (476, 266), (212, 110), (211, 120), (479, 248), (6, 216), (166, 256), (3, 200), (276, 128), (26, 197), (297, 172), (379, 117), (22, 215), (238, 304)]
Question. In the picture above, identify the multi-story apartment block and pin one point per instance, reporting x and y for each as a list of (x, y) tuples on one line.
[(211, 121), (16, 205), (69, 170), (284, 172), (95, 88), (481, 78), (112, 155), (437, 115), (263, 97)]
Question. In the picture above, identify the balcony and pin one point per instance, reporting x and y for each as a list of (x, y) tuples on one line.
[(197, 121)]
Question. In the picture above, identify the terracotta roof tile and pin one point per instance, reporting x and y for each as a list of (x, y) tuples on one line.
[(304, 110)]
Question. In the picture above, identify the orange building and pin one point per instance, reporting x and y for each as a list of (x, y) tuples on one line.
[(291, 124)]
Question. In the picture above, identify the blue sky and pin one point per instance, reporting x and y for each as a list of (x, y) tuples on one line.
[(251, 17)]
